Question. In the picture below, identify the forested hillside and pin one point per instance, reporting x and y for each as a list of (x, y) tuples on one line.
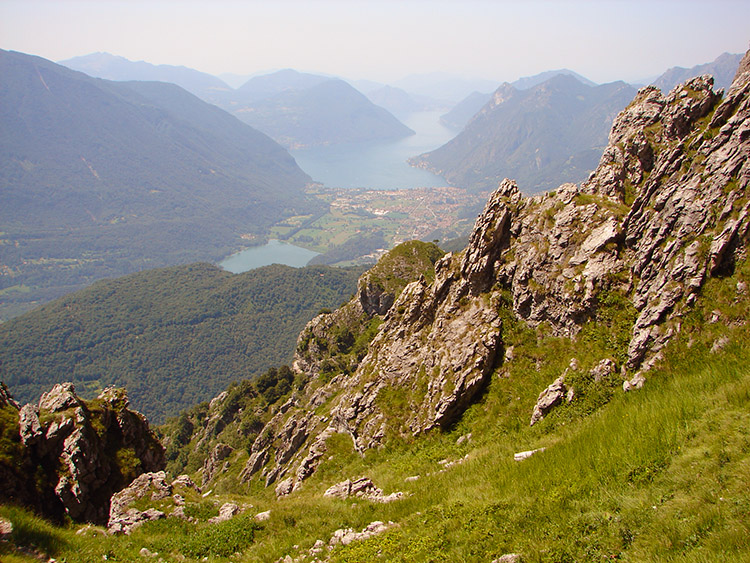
[(172, 336), (100, 178)]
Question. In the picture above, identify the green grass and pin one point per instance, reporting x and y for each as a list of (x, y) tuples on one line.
[(658, 474)]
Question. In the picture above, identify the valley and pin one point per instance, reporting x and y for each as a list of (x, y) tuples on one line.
[(397, 215), (310, 319)]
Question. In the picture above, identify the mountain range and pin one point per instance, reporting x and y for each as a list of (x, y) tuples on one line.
[(102, 178), (571, 386), (296, 109), (112, 67), (554, 131)]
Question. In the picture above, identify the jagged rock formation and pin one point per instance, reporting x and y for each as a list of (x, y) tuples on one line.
[(79, 452), (666, 208), (124, 517)]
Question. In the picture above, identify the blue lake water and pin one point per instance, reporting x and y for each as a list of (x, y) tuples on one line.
[(380, 164), (274, 252), (376, 165)]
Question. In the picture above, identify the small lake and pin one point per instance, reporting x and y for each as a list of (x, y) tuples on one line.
[(274, 252), (379, 164)]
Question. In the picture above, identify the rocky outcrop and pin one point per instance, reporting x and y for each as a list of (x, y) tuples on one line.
[(666, 208), (154, 487), (360, 488), (214, 461), (68, 444), (549, 399)]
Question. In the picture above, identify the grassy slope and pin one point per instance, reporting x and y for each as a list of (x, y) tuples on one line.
[(658, 474)]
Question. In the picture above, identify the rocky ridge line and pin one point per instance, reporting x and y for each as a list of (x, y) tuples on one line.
[(666, 208)]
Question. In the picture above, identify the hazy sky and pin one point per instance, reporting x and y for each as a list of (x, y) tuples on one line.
[(386, 40)]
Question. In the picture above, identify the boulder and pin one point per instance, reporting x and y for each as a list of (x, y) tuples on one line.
[(549, 399), (122, 517), (360, 488), (227, 511)]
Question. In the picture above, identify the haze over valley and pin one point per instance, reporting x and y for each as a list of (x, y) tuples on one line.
[(541, 129)]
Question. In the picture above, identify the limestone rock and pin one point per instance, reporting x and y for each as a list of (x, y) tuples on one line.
[(285, 487), (214, 460), (60, 398), (185, 481), (603, 369), (30, 428), (520, 456), (227, 511), (360, 488), (263, 516), (122, 517), (127, 522), (345, 536), (548, 399), (71, 454)]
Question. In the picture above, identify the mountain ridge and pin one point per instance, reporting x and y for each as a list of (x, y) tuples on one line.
[(604, 264), (113, 67), (130, 172), (549, 133)]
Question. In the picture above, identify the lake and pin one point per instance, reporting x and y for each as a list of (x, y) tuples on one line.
[(378, 164), (274, 252)]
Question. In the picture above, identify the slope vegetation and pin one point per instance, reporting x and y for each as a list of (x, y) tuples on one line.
[(173, 336), (102, 178)]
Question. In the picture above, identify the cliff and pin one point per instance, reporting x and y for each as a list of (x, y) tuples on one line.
[(629, 249), (65, 456)]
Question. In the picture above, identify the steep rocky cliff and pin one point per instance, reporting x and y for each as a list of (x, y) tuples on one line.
[(666, 208), (66, 456)]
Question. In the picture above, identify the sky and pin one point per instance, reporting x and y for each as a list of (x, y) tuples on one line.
[(386, 40)]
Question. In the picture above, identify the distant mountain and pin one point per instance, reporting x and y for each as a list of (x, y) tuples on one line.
[(397, 101), (464, 110), (287, 80), (444, 86), (101, 178), (111, 67), (302, 110), (526, 82), (722, 69), (235, 80), (173, 336), (553, 132)]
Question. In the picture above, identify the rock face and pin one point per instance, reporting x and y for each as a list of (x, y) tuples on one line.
[(68, 445), (666, 208)]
